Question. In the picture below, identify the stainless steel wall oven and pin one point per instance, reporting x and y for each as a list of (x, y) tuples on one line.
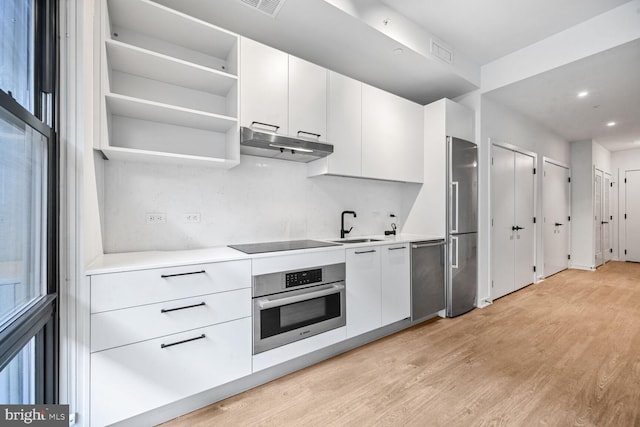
[(292, 305)]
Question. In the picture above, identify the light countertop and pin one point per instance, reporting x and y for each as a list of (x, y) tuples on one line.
[(129, 261)]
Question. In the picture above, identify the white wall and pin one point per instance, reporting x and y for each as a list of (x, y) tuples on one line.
[(500, 123), (586, 156), (621, 161), (260, 200), (582, 232)]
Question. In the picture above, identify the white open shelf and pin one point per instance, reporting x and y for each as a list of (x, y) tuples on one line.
[(145, 63), (127, 106), (136, 155), (153, 22), (169, 87)]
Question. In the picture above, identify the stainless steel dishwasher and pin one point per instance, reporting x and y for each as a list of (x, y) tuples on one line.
[(427, 279)]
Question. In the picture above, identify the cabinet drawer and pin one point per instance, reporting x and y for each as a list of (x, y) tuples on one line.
[(120, 327), (133, 379), (121, 290)]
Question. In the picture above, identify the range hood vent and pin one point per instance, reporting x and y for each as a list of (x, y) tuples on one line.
[(267, 144), (270, 7)]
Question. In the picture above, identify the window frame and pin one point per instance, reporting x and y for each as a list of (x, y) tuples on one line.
[(41, 318)]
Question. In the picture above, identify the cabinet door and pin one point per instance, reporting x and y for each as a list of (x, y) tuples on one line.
[(363, 290), (263, 86), (392, 137), (129, 380), (344, 125), (396, 284), (307, 100)]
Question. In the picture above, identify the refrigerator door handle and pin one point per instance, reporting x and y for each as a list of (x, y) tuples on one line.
[(454, 252), (454, 207)]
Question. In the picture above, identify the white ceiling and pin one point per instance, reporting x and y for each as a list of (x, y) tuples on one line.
[(489, 29), (612, 79), (324, 33)]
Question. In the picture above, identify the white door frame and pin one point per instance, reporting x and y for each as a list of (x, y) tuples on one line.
[(508, 146), (597, 216), (546, 160), (606, 207)]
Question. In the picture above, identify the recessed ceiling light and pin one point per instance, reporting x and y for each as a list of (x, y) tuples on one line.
[(583, 94), (611, 124)]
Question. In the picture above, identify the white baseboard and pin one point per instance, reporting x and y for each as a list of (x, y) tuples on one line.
[(582, 267)]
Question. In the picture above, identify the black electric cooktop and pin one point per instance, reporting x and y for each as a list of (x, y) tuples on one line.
[(289, 245)]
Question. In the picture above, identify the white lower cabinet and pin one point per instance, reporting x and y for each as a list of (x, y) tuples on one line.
[(161, 335), (378, 286), (129, 380), (121, 327), (396, 282), (363, 290)]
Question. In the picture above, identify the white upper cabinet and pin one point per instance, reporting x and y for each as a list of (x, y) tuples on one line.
[(307, 100), (168, 89), (264, 87), (344, 128), (392, 137), (375, 134), (281, 93)]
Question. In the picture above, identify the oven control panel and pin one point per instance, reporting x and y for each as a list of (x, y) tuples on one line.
[(306, 277)]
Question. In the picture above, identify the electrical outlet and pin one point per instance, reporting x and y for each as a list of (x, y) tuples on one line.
[(156, 217), (191, 217)]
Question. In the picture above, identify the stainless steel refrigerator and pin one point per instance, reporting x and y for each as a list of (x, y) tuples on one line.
[(462, 226)]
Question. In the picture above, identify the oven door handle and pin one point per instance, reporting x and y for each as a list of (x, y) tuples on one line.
[(265, 303)]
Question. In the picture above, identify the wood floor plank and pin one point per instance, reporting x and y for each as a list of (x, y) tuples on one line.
[(564, 352)]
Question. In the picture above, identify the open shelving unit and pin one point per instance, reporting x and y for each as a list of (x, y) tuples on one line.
[(169, 87)]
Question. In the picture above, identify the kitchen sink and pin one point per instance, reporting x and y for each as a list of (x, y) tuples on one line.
[(356, 240)]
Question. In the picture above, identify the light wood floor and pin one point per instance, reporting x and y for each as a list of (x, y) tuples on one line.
[(565, 352)]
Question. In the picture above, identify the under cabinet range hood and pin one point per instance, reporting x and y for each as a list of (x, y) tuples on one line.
[(267, 144)]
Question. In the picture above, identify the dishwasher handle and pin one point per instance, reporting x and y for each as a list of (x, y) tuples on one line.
[(427, 244)]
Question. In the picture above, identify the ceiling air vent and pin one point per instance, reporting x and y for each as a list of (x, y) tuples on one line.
[(441, 52), (270, 7)]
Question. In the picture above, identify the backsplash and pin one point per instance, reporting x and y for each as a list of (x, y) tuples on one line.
[(260, 200)]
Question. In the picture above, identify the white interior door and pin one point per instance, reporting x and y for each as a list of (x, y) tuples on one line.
[(513, 229), (503, 213), (632, 215), (607, 219), (556, 201), (524, 179), (597, 212)]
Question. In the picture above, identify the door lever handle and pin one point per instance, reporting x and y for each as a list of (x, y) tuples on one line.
[(516, 228), (558, 224), (604, 222)]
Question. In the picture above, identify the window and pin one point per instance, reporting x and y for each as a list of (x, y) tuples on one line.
[(28, 202), (23, 201), (17, 50)]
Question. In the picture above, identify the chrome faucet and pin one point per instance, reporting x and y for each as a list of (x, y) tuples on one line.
[(344, 232)]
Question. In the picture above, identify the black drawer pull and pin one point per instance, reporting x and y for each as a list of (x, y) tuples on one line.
[(397, 247), (183, 341), (167, 310), (164, 276), (365, 252), (265, 124), (317, 135)]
